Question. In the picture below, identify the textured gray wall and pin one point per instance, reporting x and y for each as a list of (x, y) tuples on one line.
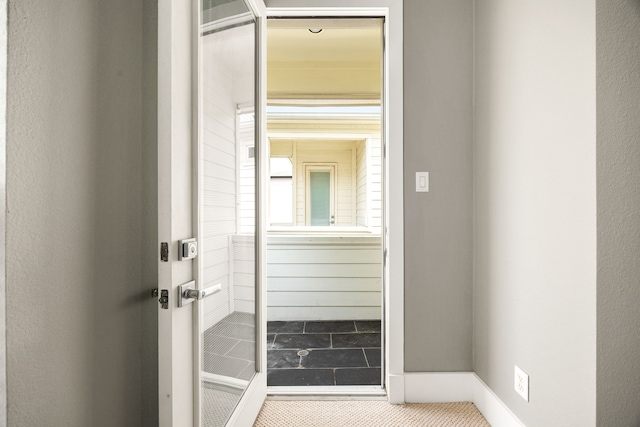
[(535, 206), (149, 226), (3, 189), (81, 186), (438, 132), (75, 296), (618, 166)]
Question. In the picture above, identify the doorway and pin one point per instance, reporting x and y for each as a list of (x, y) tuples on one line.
[(179, 350), (324, 237)]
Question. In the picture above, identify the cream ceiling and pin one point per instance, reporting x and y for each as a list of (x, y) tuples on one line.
[(342, 62)]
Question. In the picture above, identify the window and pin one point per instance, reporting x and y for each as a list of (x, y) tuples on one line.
[(281, 191)]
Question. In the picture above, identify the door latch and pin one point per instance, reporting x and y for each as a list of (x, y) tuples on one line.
[(164, 299)]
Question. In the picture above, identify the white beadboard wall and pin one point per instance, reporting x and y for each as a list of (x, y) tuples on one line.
[(246, 199), (374, 183), (361, 184), (219, 185), (314, 277), (243, 272)]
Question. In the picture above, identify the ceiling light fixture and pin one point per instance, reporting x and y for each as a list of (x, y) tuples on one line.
[(315, 30)]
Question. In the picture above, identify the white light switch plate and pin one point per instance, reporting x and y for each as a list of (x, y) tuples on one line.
[(422, 182)]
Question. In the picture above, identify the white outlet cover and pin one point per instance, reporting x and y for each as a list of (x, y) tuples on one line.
[(521, 383)]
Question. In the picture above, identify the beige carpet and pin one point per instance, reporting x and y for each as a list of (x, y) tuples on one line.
[(305, 413)]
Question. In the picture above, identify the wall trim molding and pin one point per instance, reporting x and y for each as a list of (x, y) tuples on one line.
[(491, 406), (3, 216), (431, 387)]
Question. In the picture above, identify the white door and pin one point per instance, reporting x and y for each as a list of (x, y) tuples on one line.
[(320, 194), (212, 361)]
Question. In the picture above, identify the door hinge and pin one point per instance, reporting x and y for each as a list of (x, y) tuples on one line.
[(154, 293), (164, 252), (384, 258)]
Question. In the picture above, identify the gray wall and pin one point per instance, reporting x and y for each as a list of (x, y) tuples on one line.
[(149, 226), (76, 298), (618, 168), (438, 132), (3, 188), (535, 206)]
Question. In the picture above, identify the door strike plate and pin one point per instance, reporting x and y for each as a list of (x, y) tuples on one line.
[(187, 249), (164, 252)]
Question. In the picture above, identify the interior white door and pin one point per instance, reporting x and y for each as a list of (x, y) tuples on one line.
[(202, 132)]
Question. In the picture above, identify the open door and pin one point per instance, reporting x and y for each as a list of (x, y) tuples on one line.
[(212, 358)]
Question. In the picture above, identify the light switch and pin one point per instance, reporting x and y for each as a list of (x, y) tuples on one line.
[(422, 182)]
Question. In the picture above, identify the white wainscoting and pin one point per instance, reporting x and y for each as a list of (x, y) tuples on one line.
[(242, 272), (219, 184), (315, 277), (362, 204)]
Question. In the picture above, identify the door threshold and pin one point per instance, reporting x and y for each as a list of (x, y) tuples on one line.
[(327, 393)]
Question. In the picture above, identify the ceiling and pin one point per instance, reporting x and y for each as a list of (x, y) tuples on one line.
[(231, 50), (343, 61)]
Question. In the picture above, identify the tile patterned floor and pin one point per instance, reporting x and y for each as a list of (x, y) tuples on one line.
[(228, 347), (304, 353)]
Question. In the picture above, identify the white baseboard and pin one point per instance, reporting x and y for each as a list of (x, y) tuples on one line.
[(396, 389), (493, 409), (431, 387), (423, 387)]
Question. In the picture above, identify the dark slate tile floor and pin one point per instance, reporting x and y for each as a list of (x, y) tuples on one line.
[(309, 353)]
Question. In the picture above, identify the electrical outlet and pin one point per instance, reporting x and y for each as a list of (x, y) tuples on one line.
[(521, 383)]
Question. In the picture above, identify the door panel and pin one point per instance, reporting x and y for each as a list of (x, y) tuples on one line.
[(320, 196), (227, 320), (226, 206), (210, 374)]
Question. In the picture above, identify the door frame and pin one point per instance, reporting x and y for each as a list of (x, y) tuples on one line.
[(251, 402), (175, 370), (393, 221)]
